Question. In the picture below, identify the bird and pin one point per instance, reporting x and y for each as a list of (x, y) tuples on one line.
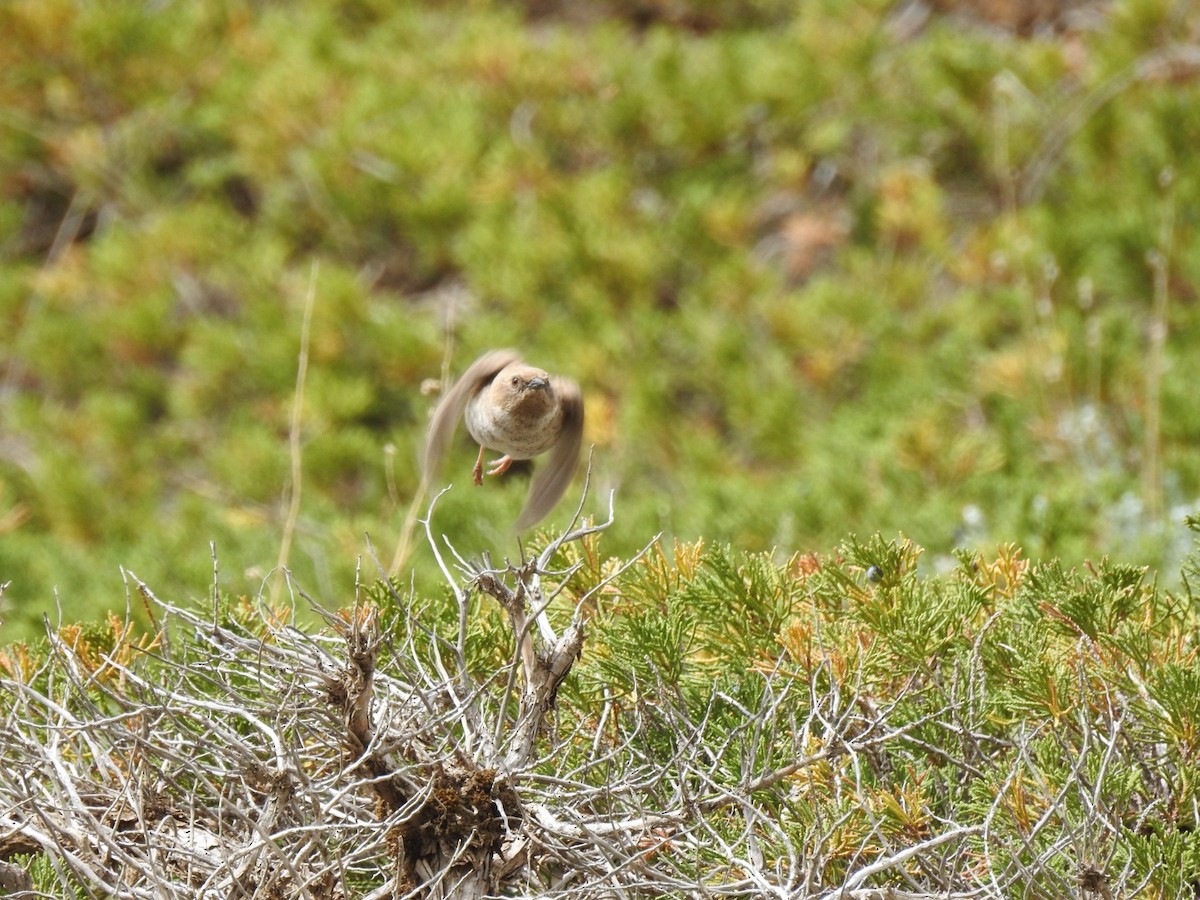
[(521, 411)]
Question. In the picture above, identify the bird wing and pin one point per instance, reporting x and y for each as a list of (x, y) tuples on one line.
[(551, 478), (450, 410)]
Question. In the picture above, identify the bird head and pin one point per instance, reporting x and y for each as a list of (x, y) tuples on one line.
[(520, 386)]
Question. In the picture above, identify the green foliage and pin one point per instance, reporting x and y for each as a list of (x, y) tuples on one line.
[(1022, 697), (816, 273), (1031, 696)]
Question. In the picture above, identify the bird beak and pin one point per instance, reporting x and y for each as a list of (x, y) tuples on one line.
[(537, 382)]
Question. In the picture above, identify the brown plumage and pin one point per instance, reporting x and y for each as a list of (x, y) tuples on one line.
[(517, 410)]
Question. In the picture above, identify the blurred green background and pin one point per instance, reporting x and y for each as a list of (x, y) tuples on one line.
[(821, 267)]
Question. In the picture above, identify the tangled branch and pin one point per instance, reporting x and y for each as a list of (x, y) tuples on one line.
[(234, 755)]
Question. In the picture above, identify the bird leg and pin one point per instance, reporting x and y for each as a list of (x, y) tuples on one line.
[(477, 472), (495, 467)]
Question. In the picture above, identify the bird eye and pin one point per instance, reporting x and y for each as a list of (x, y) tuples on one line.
[(516, 380)]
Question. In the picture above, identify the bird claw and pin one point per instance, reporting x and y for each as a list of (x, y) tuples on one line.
[(499, 466)]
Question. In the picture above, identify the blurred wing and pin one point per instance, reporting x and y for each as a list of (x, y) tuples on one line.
[(454, 403), (551, 478)]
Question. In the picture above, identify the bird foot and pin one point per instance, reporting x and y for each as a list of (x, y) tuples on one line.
[(499, 466)]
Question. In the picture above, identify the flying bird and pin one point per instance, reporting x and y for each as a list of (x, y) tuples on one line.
[(520, 411)]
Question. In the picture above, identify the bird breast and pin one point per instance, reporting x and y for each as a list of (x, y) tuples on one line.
[(520, 425)]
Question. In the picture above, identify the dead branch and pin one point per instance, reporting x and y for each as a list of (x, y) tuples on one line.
[(236, 756)]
